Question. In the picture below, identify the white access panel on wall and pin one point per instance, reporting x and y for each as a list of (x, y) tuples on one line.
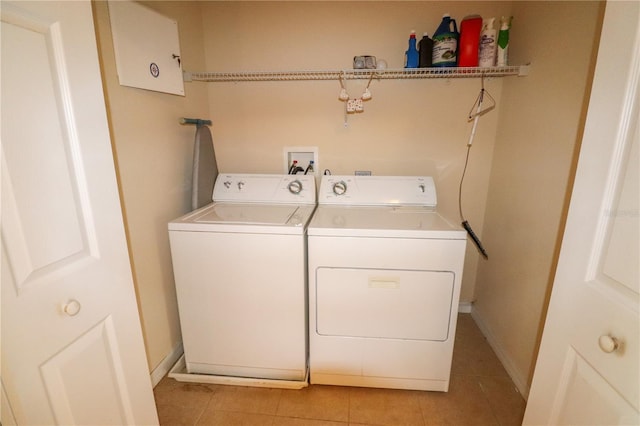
[(147, 48)]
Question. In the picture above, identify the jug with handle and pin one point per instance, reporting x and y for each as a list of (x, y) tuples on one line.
[(445, 43)]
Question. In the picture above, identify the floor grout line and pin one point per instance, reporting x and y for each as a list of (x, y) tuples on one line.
[(475, 367)]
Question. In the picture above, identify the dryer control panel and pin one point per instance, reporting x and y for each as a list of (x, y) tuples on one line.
[(265, 188), (378, 190)]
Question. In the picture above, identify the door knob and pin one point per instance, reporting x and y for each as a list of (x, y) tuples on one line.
[(608, 343), (72, 308)]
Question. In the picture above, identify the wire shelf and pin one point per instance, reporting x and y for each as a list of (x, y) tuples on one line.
[(353, 74)]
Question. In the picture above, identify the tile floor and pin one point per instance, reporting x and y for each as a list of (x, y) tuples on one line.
[(480, 393)]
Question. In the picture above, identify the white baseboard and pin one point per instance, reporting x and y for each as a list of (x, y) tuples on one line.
[(518, 378), (167, 363), (464, 307)]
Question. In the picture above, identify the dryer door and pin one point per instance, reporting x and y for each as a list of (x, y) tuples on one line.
[(384, 303)]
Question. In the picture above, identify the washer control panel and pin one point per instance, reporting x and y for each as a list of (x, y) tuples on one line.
[(378, 190), (264, 188)]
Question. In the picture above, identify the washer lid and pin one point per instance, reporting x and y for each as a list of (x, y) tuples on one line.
[(382, 221), (246, 218), (256, 214)]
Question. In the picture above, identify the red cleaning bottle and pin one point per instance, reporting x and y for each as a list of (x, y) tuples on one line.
[(470, 29)]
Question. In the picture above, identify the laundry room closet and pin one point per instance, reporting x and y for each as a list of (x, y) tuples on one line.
[(520, 167)]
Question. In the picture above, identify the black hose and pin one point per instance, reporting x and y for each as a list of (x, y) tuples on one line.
[(465, 224)]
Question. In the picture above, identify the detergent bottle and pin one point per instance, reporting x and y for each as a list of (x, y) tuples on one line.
[(470, 29), (445, 43), (425, 47), (488, 40)]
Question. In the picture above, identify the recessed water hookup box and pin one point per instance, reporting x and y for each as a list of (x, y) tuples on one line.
[(303, 156)]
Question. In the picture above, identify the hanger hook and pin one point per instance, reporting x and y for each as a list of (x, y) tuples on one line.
[(340, 78), (370, 78), (478, 105)]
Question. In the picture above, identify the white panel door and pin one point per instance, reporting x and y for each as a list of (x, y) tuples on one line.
[(72, 348), (588, 366)]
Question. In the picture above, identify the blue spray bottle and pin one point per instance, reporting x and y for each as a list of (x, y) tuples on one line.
[(412, 56)]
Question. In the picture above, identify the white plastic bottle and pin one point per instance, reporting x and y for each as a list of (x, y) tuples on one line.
[(503, 42), (488, 39)]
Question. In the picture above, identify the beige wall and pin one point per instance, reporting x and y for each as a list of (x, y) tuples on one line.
[(520, 165), (540, 128), (153, 155), (409, 127)]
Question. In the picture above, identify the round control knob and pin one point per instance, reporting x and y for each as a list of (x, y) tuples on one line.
[(608, 343), (295, 186), (72, 308), (339, 188)]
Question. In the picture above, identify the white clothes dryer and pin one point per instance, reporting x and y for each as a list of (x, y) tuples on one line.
[(241, 278), (384, 284)]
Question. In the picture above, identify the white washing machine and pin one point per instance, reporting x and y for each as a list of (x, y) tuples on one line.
[(384, 283), (241, 278)]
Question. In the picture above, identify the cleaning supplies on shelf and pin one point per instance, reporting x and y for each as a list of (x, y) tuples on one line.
[(470, 29), (487, 55), (425, 49), (411, 55), (445, 43), (503, 41)]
